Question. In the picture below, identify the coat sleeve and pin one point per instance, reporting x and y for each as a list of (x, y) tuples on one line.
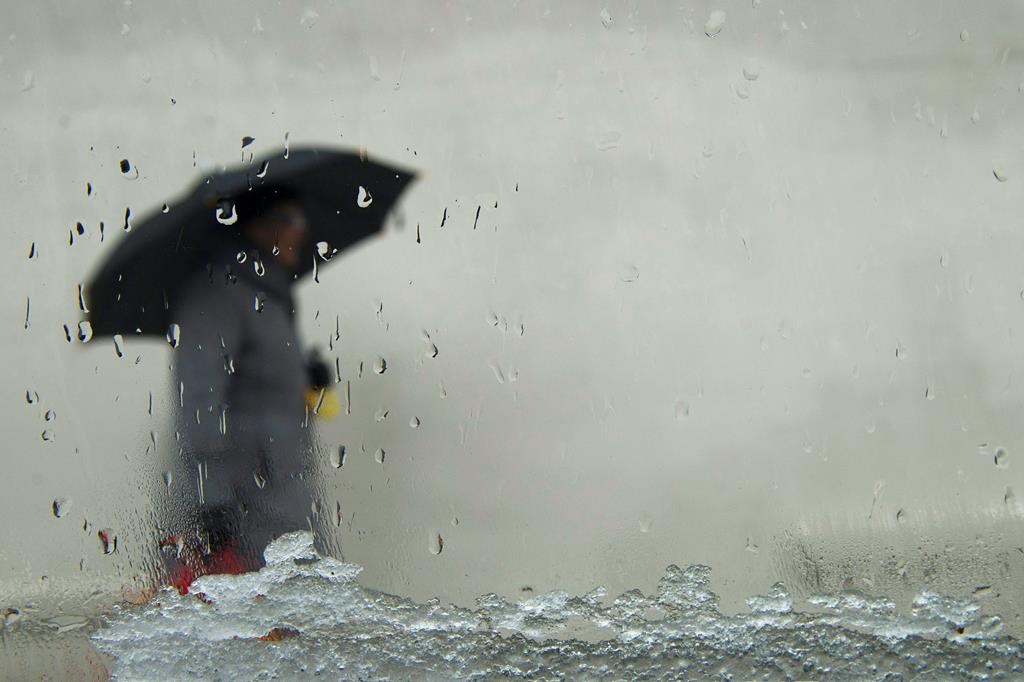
[(211, 335)]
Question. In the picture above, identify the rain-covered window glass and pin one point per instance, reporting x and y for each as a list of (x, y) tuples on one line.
[(512, 339)]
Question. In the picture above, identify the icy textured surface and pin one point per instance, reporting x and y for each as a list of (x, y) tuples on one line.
[(328, 625)]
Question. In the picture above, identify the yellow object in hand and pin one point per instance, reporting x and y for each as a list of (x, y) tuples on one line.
[(323, 402)]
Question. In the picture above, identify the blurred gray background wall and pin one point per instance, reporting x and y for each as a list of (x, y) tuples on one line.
[(744, 289)]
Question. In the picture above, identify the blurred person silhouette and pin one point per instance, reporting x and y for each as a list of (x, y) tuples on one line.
[(242, 380), (213, 272)]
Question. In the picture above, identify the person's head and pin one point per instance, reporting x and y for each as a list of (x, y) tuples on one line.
[(274, 222)]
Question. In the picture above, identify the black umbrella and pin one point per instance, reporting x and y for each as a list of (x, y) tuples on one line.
[(346, 198)]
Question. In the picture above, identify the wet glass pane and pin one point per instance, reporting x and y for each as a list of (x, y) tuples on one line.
[(681, 339)]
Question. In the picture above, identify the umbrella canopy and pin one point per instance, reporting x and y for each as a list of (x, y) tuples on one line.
[(345, 196)]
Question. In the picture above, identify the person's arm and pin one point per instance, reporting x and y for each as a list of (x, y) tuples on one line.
[(211, 326)]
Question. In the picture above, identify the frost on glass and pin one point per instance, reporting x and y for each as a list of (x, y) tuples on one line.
[(325, 623), (722, 284)]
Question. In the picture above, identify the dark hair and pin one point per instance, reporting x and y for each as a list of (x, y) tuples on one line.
[(260, 200)]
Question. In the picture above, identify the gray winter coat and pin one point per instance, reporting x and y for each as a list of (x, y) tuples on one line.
[(240, 376)]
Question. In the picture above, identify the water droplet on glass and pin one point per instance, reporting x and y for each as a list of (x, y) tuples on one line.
[(240, 257), (436, 544), (338, 457), (965, 36), (682, 409), (85, 331), (381, 415), (174, 334), (257, 266), (378, 455), (168, 479), (1000, 174), (608, 140), (1000, 458), (1008, 497), (751, 70), (975, 115), (260, 481), (61, 506), (713, 26), (901, 516), (47, 435), (442, 392), (127, 221), (929, 393), (126, 166), (969, 283), (276, 251), (31, 397), (118, 340), (81, 300), (259, 302), (380, 365), (752, 548), (363, 198), (499, 376), (246, 141), (606, 18), (629, 273), (165, 209), (108, 541), (226, 214), (32, 253), (414, 423), (50, 415), (262, 172)]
